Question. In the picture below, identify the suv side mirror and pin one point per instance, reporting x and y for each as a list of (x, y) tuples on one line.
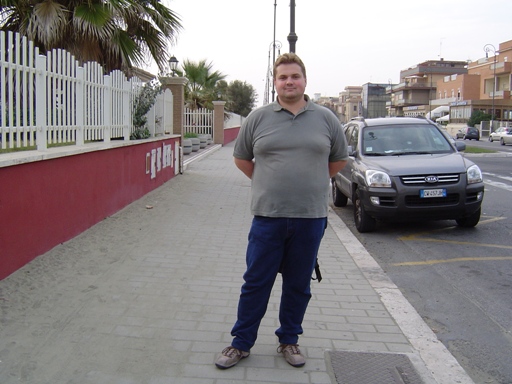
[(460, 146)]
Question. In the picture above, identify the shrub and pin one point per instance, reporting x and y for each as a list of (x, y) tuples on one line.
[(477, 117), (189, 135), (141, 106)]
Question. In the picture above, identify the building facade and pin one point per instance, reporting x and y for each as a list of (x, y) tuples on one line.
[(374, 99), (351, 103), (416, 93), (485, 88), (433, 85)]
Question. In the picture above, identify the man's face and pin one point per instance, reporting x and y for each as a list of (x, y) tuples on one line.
[(290, 83)]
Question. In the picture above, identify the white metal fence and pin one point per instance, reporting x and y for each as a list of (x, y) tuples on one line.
[(198, 121), (51, 99)]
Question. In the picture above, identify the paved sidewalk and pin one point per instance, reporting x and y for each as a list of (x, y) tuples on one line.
[(149, 295)]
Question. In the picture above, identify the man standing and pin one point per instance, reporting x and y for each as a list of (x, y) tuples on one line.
[(289, 149)]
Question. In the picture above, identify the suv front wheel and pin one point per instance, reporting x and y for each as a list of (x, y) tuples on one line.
[(470, 221), (363, 221)]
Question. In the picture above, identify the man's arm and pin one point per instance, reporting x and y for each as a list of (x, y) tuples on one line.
[(336, 166), (246, 166)]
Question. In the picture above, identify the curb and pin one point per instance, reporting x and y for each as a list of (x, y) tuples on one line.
[(440, 363)]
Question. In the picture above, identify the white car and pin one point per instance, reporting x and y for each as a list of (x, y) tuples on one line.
[(506, 139), (499, 133)]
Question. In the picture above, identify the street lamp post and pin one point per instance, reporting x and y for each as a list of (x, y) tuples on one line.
[(429, 92), (270, 70), (173, 65), (490, 48), (292, 37), (390, 96), (430, 97)]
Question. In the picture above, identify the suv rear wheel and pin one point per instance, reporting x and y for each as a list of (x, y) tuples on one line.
[(363, 221), (338, 198)]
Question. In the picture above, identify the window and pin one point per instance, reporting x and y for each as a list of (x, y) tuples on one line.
[(352, 135)]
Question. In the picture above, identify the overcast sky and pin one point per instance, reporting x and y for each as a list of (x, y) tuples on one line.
[(342, 43)]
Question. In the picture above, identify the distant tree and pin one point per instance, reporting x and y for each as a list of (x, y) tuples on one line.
[(241, 98), (477, 117), (201, 89), (118, 34)]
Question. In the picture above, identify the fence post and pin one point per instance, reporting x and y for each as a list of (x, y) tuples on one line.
[(218, 122), (41, 123), (177, 87), (109, 110), (80, 110), (127, 110)]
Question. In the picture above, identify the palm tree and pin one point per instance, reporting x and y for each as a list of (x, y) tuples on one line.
[(118, 34), (201, 89)]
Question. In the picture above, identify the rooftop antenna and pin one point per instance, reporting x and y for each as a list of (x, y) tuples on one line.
[(441, 46)]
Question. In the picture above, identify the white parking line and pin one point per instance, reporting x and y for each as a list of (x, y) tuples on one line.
[(499, 184)]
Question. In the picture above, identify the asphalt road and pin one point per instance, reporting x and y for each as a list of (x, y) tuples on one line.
[(459, 280)]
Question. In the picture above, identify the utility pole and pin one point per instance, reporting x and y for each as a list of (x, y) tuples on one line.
[(274, 51)]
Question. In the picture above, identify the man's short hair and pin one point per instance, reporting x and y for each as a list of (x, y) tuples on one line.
[(289, 58)]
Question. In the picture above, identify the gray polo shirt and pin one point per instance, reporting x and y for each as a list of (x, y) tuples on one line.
[(291, 155)]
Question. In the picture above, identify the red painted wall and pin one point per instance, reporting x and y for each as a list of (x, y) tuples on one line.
[(47, 202), (230, 134)]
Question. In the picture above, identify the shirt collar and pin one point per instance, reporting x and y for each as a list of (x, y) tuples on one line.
[(277, 107)]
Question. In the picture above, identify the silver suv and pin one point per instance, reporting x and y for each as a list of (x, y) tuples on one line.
[(403, 168)]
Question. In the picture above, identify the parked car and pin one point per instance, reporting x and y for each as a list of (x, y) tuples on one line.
[(506, 139), (403, 168), (470, 133), (499, 133)]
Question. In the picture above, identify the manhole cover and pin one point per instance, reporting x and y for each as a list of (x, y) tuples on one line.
[(373, 368)]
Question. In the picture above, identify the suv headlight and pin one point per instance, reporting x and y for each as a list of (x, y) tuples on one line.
[(474, 174), (377, 179)]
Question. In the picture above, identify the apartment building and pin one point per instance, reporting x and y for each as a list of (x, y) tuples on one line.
[(486, 87), (351, 103), (374, 99), (462, 86), (416, 93)]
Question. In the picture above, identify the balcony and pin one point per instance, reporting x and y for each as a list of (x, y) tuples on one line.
[(500, 94), (408, 85), (410, 102), (503, 68)]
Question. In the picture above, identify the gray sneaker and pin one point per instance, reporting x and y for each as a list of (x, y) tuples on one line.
[(292, 355), (229, 357)]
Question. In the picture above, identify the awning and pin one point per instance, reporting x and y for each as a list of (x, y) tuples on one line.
[(438, 112), (443, 119)]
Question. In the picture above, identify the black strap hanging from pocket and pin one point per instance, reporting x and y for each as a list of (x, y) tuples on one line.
[(317, 272)]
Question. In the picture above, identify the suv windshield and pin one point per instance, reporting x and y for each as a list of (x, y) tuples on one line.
[(396, 140)]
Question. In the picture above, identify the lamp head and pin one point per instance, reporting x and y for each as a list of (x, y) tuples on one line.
[(173, 64)]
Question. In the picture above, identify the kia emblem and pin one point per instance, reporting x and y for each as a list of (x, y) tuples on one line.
[(431, 179)]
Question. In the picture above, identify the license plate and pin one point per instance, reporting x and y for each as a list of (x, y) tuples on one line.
[(424, 193)]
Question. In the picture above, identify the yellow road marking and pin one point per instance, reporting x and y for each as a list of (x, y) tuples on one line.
[(455, 260), (420, 237)]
